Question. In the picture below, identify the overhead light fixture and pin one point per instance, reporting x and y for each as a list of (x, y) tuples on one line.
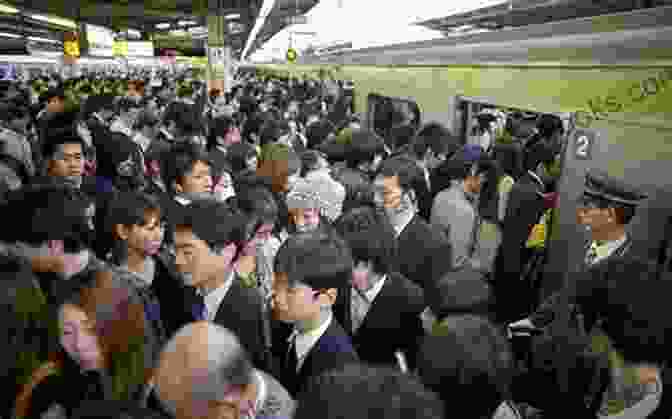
[(8, 9), (38, 39), (232, 16), (9, 35), (55, 21), (178, 32), (163, 26), (133, 32), (186, 23)]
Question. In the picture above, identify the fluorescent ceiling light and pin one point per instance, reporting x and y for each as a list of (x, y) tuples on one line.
[(163, 26), (232, 16), (186, 22), (133, 32), (55, 21), (198, 30), (8, 9), (178, 32), (9, 35), (38, 39)]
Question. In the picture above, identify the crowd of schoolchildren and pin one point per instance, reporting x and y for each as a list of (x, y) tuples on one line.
[(172, 252)]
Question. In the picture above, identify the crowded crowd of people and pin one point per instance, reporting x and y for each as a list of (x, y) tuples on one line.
[(173, 252)]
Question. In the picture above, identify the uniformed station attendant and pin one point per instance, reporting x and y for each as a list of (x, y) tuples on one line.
[(605, 208)]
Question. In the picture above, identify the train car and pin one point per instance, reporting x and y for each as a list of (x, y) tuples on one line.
[(607, 77)]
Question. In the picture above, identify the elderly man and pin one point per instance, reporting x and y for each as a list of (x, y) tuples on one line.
[(204, 373)]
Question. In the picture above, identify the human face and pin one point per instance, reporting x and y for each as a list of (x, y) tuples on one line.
[(473, 184), (55, 105), (197, 263), (294, 302), (305, 219), (595, 219), (146, 239), (68, 161), (387, 192), (199, 180), (79, 339)]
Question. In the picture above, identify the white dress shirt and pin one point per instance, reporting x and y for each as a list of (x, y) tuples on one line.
[(214, 298), (304, 342), (605, 250)]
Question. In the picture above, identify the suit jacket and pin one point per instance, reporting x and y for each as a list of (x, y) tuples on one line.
[(241, 312), (425, 253), (333, 350), (545, 314), (392, 323), (525, 207)]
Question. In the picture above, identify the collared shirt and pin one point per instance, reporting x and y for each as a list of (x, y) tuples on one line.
[(605, 250), (182, 201), (645, 407), (215, 297), (262, 392), (401, 227), (304, 342), (361, 304)]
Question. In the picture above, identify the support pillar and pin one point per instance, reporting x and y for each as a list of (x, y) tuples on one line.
[(219, 54)]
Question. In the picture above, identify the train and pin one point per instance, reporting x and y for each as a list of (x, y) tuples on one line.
[(608, 77)]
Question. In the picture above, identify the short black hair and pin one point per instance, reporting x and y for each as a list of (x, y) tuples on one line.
[(216, 223), (112, 409), (434, 136), (184, 116), (358, 391), (409, 174), (467, 355), (364, 146), (370, 236), (180, 161), (319, 259), (218, 128), (272, 130), (257, 202), (130, 208)]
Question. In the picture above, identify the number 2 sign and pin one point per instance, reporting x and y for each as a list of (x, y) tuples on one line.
[(583, 143)]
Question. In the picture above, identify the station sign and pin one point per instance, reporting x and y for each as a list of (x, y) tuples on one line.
[(291, 55)]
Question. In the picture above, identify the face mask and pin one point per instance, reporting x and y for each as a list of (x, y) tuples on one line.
[(152, 247), (360, 279), (75, 263)]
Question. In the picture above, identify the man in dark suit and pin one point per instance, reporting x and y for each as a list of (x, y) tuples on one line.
[(606, 207), (206, 236), (310, 268), (425, 253), (383, 312), (524, 210)]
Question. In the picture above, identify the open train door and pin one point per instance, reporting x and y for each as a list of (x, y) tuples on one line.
[(637, 153)]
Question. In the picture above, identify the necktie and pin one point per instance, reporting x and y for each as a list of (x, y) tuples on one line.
[(291, 359), (199, 310)]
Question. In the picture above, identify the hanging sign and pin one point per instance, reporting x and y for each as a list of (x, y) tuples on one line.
[(291, 55)]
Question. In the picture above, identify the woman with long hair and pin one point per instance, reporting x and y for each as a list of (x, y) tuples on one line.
[(99, 355)]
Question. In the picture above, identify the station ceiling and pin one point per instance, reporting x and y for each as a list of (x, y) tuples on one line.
[(144, 15)]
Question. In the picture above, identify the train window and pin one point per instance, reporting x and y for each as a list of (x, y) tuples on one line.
[(389, 117), (479, 121)]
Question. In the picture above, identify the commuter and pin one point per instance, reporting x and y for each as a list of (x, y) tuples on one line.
[(425, 253), (310, 271), (468, 363), (359, 391), (207, 238), (206, 373), (100, 354), (383, 311)]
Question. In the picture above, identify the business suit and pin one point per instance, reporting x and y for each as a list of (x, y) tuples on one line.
[(392, 323), (332, 350), (425, 253), (525, 207), (241, 312)]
